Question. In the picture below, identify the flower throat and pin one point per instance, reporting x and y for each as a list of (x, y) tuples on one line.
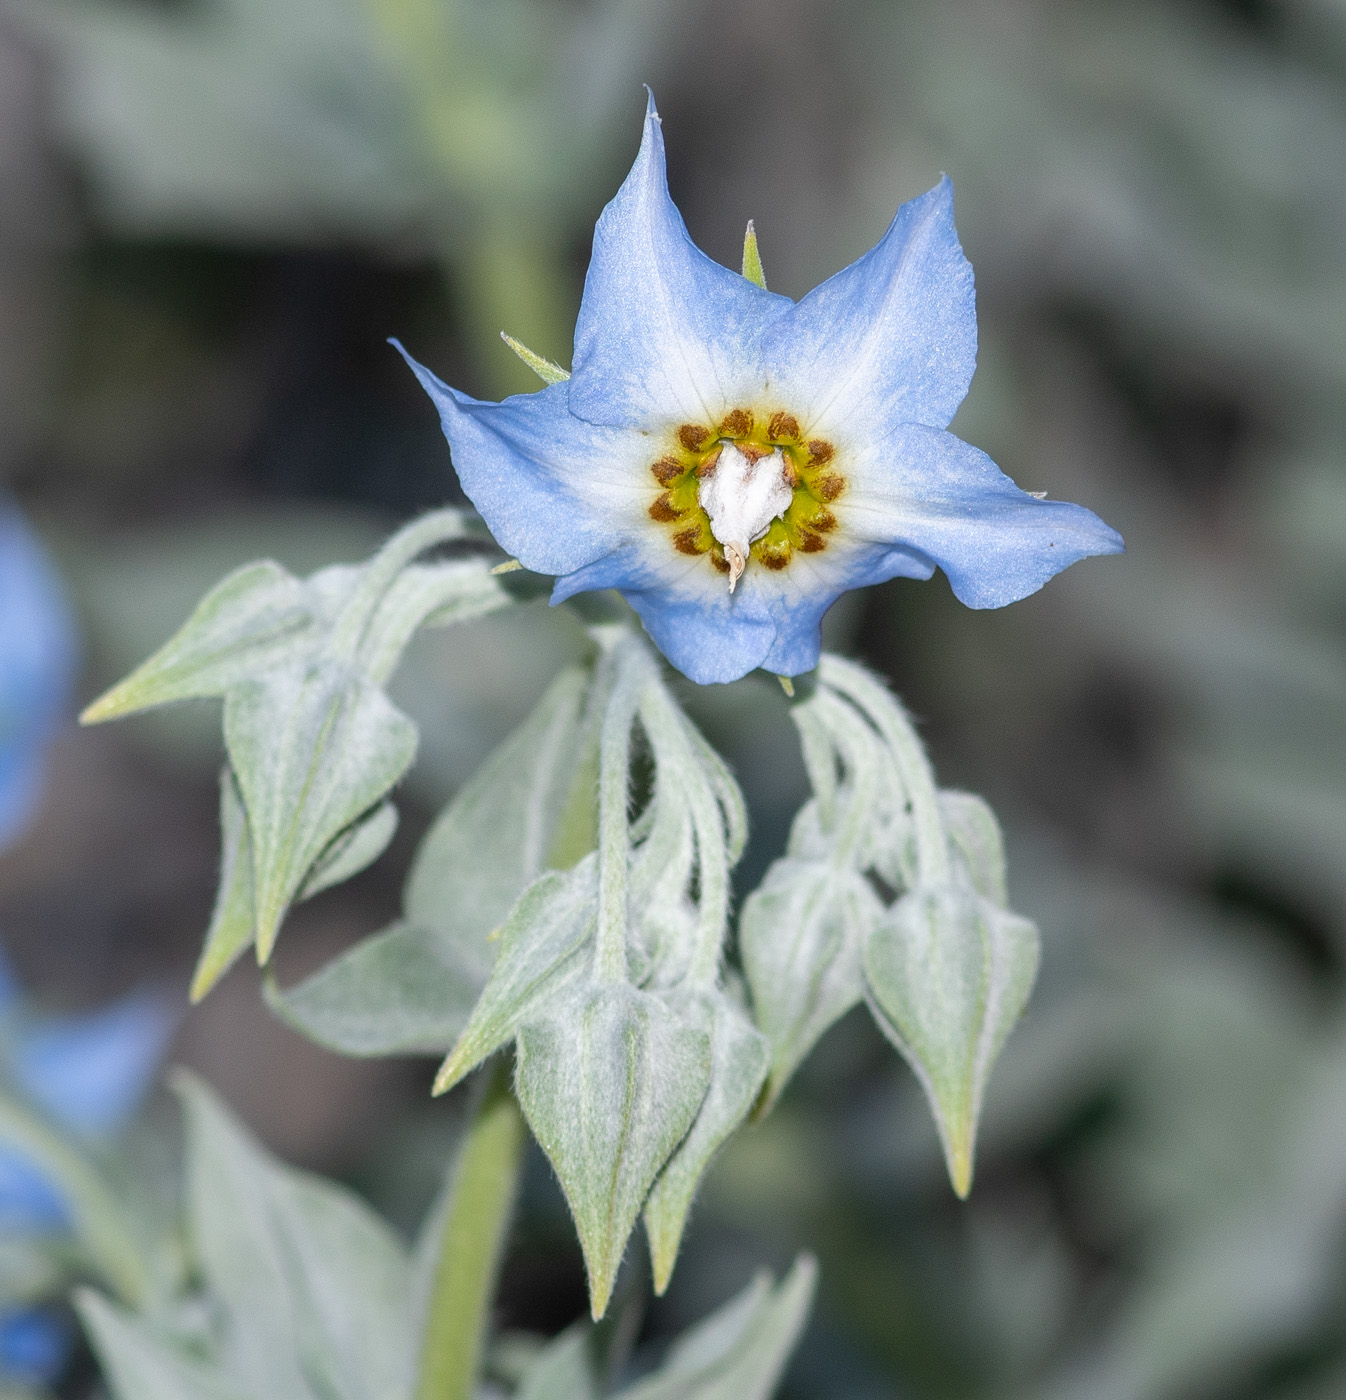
[(749, 488)]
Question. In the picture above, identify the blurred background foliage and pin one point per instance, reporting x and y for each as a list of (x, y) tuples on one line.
[(212, 212)]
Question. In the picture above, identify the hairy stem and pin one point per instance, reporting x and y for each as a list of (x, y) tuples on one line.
[(480, 1205)]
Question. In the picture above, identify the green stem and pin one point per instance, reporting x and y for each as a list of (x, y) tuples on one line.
[(480, 1206)]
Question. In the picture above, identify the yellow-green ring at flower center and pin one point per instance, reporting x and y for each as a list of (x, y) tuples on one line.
[(811, 470)]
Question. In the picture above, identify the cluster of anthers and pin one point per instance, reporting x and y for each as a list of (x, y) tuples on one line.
[(751, 487)]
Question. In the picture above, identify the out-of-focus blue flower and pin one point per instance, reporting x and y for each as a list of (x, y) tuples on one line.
[(87, 1074), (90, 1072), (37, 665), (733, 462), (34, 1345)]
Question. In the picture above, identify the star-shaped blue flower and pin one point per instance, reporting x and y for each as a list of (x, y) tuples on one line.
[(733, 461)]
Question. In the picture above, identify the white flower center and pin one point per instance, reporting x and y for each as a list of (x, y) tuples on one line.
[(742, 494)]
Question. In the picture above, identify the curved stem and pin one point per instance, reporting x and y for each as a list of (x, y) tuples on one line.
[(932, 851), (436, 527), (614, 765), (480, 1205)]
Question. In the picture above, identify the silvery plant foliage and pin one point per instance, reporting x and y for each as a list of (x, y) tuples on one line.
[(728, 462)]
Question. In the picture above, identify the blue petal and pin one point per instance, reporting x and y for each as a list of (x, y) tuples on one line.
[(930, 492), (90, 1072), (552, 488), (893, 336), (35, 1344), (665, 334), (29, 1200), (37, 664), (686, 608), (799, 624)]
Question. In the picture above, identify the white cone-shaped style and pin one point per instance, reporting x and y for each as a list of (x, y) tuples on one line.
[(743, 495)]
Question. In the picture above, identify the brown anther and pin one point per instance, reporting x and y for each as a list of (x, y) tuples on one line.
[(720, 562), (828, 488), (823, 521), (666, 470), (707, 468), (789, 472), (784, 427), (820, 452), (693, 437), (776, 556), (663, 510), (688, 542), (753, 451), (811, 543), (737, 423)]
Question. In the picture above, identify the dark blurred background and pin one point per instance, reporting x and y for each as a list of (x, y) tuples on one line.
[(213, 213)]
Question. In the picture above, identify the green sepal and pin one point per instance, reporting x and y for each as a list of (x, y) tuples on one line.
[(752, 270), (739, 1060), (610, 1080), (548, 371), (544, 946), (802, 935), (246, 620), (948, 974), (314, 746)]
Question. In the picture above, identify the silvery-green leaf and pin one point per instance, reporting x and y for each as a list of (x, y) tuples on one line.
[(739, 1060), (402, 991), (497, 834), (801, 936), (543, 946), (314, 746), (610, 1080), (109, 1245), (739, 1352), (138, 1365), (351, 850), (948, 975), (351, 1277), (243, 621), (974, 833), (314, 1286), (231, 921), (238, 1250), (564, 1370)]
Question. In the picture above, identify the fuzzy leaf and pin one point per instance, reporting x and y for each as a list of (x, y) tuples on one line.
[(948, 974), (231, 921), (352, 850), (110, 1248), (398, 992), (610, 1080), (314, 746), (313, 1285), (739, 1352), (411, 987), (497, 834), (802, 934), (739, 1060), (243, 622), (138, 1365), (974, 833), (564, 1369), (542, 947)]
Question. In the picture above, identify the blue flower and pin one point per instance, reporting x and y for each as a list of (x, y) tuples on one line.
[(87, 1074), (733, 461), (37, 666)]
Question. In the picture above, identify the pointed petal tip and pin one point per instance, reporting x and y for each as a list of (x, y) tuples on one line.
[(960, 1168)]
